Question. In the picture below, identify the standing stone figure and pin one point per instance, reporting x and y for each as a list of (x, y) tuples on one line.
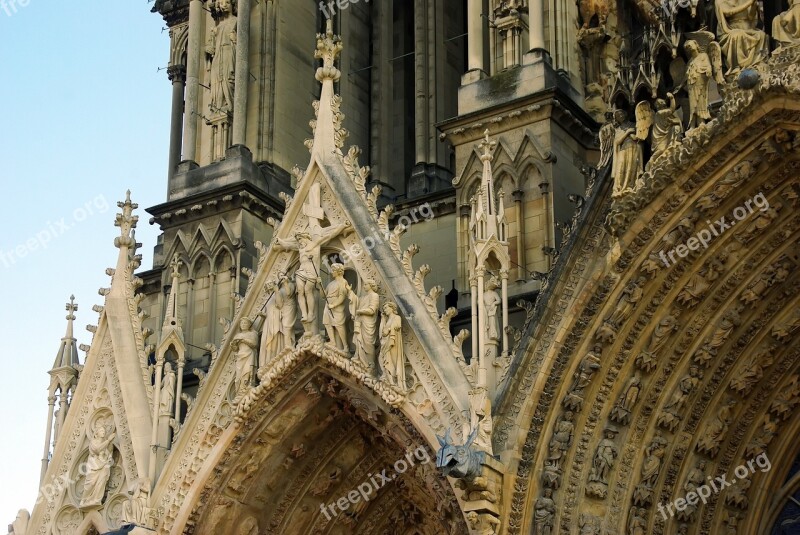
[(667, 127), (272, 338), (365, 311), (286, 300), (333, 317), (603, 462), (392, 357), (98, 467), (244, 344), (167, 397), (628, 160), (221, 51), (135, 510), (743, 44), (701, 68), (492, 302), (544, 512)]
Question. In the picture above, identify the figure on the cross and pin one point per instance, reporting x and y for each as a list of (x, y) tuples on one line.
[(308, 244)]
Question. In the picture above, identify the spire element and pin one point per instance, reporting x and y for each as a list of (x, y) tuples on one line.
[(171, 321), (67, 356), (126, 222), (329, 136)]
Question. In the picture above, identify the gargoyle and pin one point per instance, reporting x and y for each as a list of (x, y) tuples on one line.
[(460, 462)]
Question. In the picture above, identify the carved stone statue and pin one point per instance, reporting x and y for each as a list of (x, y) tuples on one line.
[(272, 338), (603, 462), (651, 467), (627, 400), (98, 467), (221, 51), (244, 344), (667, 126), (628, 162), (637, 521), (699, 284), (647, 360), (492, 302), (364, 311), (752, 371), (544, 514), (670, 417), (714, 432), (630, 297), (742, 43), (333, 317), (307, 245), (167, 397), (786, 25), (136, 510), (581, 379), (695, 478), (704, 64), (286, 300), (589, 524), (392, 356), (562, 438)]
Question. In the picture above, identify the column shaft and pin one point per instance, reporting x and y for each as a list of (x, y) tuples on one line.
[(475, 334), (178, 77), (154, 432), (504, 280), (475, 38), (194, 53), (242, 73), (536, 24), (51, 405)]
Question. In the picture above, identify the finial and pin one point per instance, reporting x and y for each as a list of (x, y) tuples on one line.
[(176, 266), (488, 146), (329, 46), (72, 307), (126, 221)]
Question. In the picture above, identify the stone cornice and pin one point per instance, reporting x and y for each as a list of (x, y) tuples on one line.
[(173, 11)]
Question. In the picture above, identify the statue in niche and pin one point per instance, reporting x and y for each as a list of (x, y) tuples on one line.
[(628, 159), (333, 316), (98, 466), (544, 513), (392, 357), (136, 510), (630, 297), (637, 521), (654, 457), (756, 289), (705, 63), (742, 43), (365, 310), (603, 462), (272, 339), (627, 400), (221, 53), (286, 301), (699, 283), (663, 126), (589, 524), (670, 417), (244, 344), (752, 371), (307, 245), (715, 430), (581, 378), (492, 302), (167, 397), (786, 25), (695, 478), (647, 360), (562, 438), (481, 420)]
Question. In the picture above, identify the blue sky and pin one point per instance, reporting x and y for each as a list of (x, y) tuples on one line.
[(85, 116)]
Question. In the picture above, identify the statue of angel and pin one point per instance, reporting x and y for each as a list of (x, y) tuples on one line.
[(628, 162), (606, 136), (705, 62), (664, 121)]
